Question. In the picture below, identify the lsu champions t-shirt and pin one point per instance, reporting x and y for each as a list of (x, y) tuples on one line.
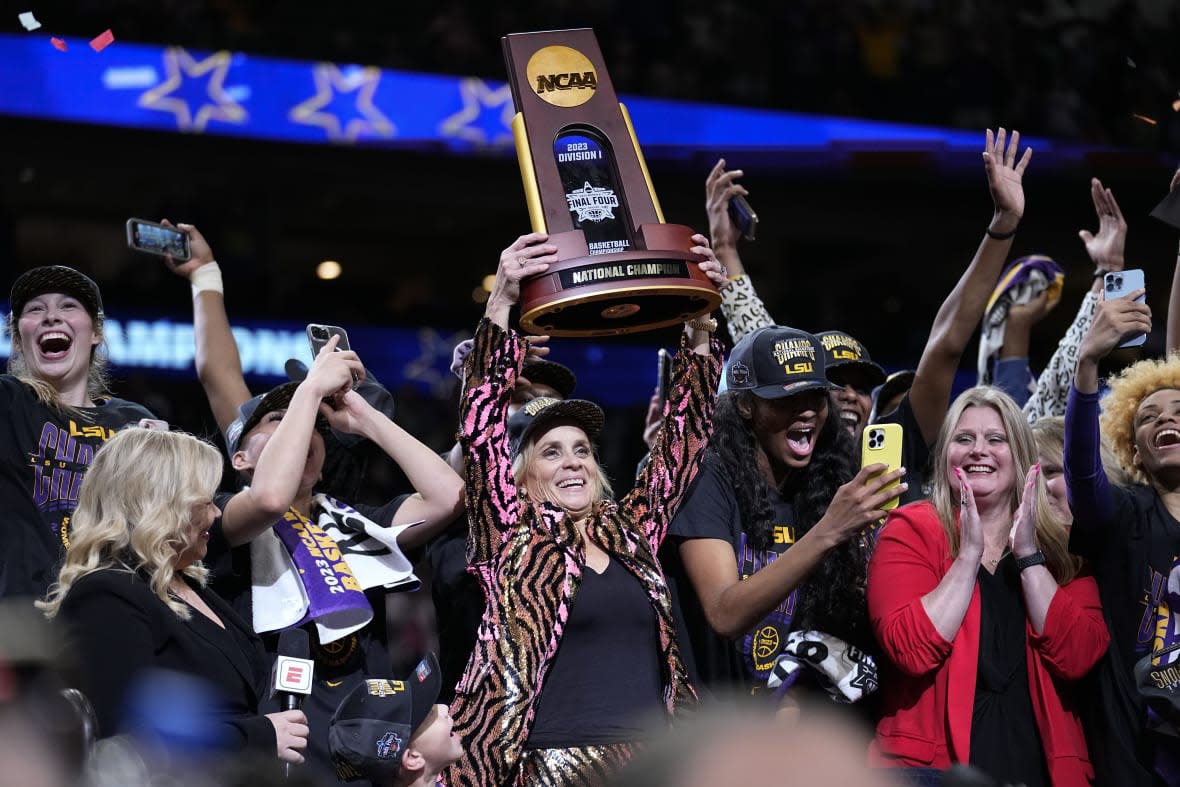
[(711, 511), (46, 453)]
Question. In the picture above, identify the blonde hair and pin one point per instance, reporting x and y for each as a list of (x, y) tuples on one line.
[(135, 504), (528, 452), (1128, 389), (97, 380), (1049, 433), (1052, 536)]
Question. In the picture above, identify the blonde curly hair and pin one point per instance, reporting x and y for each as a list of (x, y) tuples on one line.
[(134, 507), (1128, 389)]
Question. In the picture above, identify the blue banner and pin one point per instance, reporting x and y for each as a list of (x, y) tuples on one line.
[(228, 93)]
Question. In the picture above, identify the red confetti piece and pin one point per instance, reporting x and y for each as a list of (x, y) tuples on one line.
[(58, 44), (102, 41), (1146, 119)]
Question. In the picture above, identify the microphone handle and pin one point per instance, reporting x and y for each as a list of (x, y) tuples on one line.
[(290, 702)]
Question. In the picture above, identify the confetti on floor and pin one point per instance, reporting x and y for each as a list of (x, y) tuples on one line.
[(1146, 119), (102, 41), (58, 44), (28, 20)]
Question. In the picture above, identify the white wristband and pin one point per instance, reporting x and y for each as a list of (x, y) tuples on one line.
[(207, 278)]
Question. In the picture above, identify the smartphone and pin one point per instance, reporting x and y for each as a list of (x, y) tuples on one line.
[(318, 335), (743, 216), (152, 238), (663, 373), (1116, 284), (881, 444)]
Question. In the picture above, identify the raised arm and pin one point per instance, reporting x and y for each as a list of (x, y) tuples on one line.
[(278, 472), (687, 419), (1106, 252), (219, 367), (491, 372), (1087, 487), (438, 490), (743, 310), (963, 308)]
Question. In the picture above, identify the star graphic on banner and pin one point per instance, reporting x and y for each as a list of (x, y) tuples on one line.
[(330, 81), (475, 122), (433, 365), (215, 103)]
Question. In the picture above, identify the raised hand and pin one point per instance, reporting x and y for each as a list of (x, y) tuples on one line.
[(720, 188), (529, 255), (200, 252), (1005, 175), (1023, 536), (1112, 321), (332, 373), (711, 266), (1106, 248)]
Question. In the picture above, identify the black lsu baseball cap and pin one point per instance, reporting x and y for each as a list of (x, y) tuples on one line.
[(55, 278), (373, 725), (844, 354), (775, 362)]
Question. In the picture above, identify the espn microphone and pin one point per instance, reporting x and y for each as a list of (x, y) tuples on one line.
[(291, 679)]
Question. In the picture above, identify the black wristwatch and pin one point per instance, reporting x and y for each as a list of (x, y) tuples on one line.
[(1035, 559)]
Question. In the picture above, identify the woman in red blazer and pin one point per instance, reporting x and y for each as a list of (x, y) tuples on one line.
[(983, 619)]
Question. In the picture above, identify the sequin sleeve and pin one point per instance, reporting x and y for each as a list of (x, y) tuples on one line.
[(493, 505), (680, 443)]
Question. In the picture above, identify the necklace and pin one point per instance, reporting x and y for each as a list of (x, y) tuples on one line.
[(991, 564)]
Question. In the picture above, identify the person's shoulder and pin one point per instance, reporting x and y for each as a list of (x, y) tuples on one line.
[(111, 580), (920, 519)]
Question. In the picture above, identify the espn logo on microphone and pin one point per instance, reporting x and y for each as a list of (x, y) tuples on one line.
[(293, 675)]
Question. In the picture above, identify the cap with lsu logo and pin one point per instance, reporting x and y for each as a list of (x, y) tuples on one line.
[(848, 361), (542, 410), (373, 725), (775, 362)]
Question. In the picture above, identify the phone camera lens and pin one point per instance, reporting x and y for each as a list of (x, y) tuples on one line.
[(319, 333)]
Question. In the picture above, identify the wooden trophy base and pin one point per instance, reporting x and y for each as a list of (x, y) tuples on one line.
[(622, 292)]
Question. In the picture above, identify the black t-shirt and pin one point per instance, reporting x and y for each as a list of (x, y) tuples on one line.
[(458, 603), (45, 455), (1131, 556), (710, 510), (915, 454), (605, 682)]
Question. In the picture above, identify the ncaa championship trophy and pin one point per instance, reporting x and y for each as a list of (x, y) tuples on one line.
[(621, 269)]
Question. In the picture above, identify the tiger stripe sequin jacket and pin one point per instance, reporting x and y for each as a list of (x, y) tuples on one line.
[(528, 557)]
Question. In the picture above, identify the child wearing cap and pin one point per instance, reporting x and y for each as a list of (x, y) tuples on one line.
[(393, 732), (56, 413)]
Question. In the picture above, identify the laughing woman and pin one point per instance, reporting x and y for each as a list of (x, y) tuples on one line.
[(576, 648), (984, 620), (56, 413)]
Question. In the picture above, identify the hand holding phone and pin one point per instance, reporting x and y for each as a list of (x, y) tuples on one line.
[(319, 335), (1117, 284), (743, 216), (152, 238), (881, 444)]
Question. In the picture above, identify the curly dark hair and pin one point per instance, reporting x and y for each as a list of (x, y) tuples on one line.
[(832, 600)]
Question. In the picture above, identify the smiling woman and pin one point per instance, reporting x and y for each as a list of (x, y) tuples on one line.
[(576, 650), (984, 622), (56, 414), (1130, 535)]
